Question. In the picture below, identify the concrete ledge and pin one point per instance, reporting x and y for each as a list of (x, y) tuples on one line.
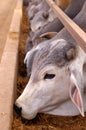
[(8, 69)]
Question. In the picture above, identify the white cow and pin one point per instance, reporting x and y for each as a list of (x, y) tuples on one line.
[(57, 83)]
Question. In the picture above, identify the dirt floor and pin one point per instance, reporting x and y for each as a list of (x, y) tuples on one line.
[(6, 13), (42, 121)]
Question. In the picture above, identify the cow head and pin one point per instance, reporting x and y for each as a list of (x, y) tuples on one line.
[(56, 76)]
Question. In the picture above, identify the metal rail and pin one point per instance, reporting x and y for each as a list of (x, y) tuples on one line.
[(77, 33)]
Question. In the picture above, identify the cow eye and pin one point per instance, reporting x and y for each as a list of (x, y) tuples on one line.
[(49, 76)]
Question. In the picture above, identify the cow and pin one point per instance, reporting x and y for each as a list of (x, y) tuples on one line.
[(37, 7), (41, 18), (55, 26), (57, 83), (40, 13)]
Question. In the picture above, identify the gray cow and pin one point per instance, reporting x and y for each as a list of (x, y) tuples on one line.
[(57, 82), (72, 10), (37, 7), (39, 15)]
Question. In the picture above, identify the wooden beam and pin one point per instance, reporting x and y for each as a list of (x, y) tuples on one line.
[(77, 33)]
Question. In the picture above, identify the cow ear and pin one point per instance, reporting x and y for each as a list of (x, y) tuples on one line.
[(70, 54), (76, 92), (29, 60), (48, 35)]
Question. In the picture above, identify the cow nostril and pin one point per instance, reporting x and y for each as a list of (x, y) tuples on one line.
[(18, 110)]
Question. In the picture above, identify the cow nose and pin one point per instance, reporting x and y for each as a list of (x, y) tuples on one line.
[(17, 109)]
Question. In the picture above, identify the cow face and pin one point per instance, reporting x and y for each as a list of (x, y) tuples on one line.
[(53, 79)]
